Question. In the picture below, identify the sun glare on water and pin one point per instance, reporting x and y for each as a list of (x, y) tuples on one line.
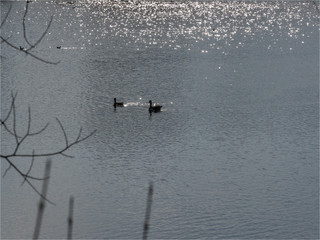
[(184, 24)]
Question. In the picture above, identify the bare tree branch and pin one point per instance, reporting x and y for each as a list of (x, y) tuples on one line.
[(66, 155), (31, 46), (25, 29), (42, 36), (21, 173), (40, 131), (79, 135), (59, 152), (28, 53), (13, 96), (19, 140), (14, 121), (6, 171), (3, 122), (2, 40), (6, 16), (30, 184), (27, 174), (64, 132), (24, 23)]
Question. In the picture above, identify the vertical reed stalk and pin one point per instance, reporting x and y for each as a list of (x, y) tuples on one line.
[(42, 200), (70, 218), (148, 212)]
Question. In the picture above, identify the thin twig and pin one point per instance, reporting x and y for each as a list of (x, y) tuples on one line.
[(27, 133), (66, 155), (79, 135), (29, 121), (14, 122), (5, 18), (31, 46), (21, 173), (3, 122), (6, 171), (27, 174), (20, 139), (64, 132), (60, 152), (24, 23), (2, 40), (28, 53), (40, 131), (42, 36), (6, 127), (30, 184), (25, 31), (13, 96)]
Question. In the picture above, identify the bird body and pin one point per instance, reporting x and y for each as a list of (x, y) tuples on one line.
[(155, 108), (117, 104)]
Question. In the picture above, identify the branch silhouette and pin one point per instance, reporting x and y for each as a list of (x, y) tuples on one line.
[(26, 39), (6, 16), (20, 139)]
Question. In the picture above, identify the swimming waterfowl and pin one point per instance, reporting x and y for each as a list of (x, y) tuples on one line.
[(117, 104), (155, 108)]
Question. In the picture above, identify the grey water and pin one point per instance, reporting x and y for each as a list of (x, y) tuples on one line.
[(233, 155)]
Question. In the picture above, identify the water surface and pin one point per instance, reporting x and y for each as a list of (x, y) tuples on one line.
[(233, 155)]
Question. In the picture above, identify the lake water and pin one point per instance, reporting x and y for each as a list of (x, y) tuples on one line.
[(233, 155)]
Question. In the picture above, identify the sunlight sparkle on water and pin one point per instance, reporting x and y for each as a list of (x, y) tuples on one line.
[(182, 24)]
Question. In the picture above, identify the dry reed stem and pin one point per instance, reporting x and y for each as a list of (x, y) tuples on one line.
[(70, 218), (148, 212), (42, 201)]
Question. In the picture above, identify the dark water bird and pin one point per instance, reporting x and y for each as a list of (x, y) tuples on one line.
[(117, 104), (59, 47), (155, 108)]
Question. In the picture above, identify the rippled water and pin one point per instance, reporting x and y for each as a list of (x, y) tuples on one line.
[(235, 152)]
